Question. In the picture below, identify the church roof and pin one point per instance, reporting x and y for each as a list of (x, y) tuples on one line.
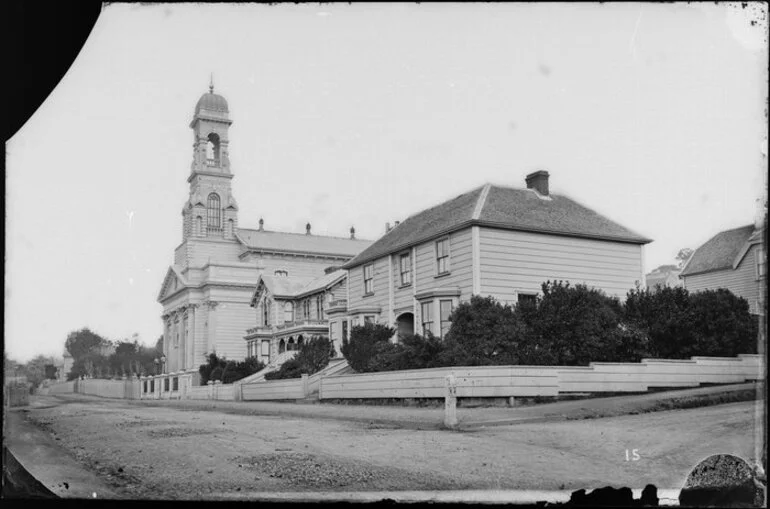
[(301, 243), (212, 102), (499, 207)]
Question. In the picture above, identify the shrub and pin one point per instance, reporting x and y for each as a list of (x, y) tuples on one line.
[(414, 351), (369, 347), (219, 368), (312, 357), (665, 317), (680, 324), (289, 369), (574, 324), (483, 332), (722, 324)]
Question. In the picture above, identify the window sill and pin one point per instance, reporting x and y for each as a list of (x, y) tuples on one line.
[(368, 295), (405, 285), (443, 274)]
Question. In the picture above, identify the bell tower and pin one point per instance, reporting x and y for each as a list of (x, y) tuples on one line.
[(211, 210)]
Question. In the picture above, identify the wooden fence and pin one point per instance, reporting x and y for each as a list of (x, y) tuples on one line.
[(507, 381)]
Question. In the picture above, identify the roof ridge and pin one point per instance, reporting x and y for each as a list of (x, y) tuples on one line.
[(301, 234), (481, 201), (444, 202)]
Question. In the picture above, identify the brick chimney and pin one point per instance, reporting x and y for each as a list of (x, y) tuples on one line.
[(261, 224), (352, 232), (538, 181), (307, 229)]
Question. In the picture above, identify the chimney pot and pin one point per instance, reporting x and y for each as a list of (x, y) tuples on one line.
[(261, 224), (538, 181), (352, 232), (397, 223), (387, 227), (307, 229)]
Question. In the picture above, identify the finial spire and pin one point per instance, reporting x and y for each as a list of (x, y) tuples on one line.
[(211, 84)]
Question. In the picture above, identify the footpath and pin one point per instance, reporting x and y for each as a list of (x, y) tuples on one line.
[(38, 467), (470, 418)]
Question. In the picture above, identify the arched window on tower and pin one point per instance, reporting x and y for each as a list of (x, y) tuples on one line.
[(212, 150), (214, 212), (199, 225)]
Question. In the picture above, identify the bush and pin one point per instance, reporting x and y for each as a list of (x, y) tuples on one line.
[(483, 332), (574, 324), (219, 368), (665, 317), (722, 324), (369, 347), (681, 325), (312, 357)]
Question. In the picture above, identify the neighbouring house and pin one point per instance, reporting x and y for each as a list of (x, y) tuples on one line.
[(733, 259), (290, 311), (207, 291), (663, 276), (493, 240)]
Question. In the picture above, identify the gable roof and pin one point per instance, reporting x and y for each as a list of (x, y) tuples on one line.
[(719, 252), (172, 273), (300, 243), (501, 207), (294, 287)]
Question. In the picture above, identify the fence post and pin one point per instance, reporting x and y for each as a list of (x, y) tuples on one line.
[(305, 385), (450, 402), (211, 389)]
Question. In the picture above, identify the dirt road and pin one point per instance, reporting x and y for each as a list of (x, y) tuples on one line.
[(167, 452)]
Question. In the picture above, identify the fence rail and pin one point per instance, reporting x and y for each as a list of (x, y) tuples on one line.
[(336, 382)]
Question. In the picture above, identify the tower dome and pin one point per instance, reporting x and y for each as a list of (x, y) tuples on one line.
[(211, 102)]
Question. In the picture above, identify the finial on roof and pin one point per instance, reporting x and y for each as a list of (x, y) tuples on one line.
[(261, 224), (352, 232), (307, 229), (211, 84)]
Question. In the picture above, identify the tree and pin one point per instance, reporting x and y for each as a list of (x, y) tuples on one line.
[(683, 255), (665, 317), (81, 342), (159, 345)]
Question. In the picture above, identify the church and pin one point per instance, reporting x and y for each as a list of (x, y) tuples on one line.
[(207, 293)]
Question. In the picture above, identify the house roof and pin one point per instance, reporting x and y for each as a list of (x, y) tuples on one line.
[(719, 252), (293, 287), (302, 243), (501, 207), (284, 286)]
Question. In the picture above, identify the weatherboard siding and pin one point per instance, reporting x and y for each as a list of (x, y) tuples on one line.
[(403, 296), (513, 261), (380, 287), (232, 321), (201, 251), (460, 265), (742, 281)]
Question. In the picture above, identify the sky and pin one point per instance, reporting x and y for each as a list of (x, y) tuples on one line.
[(357, 115)]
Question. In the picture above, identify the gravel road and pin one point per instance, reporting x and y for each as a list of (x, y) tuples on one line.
[(169, 453)]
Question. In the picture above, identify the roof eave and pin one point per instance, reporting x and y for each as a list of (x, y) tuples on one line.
[(491, 224)]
